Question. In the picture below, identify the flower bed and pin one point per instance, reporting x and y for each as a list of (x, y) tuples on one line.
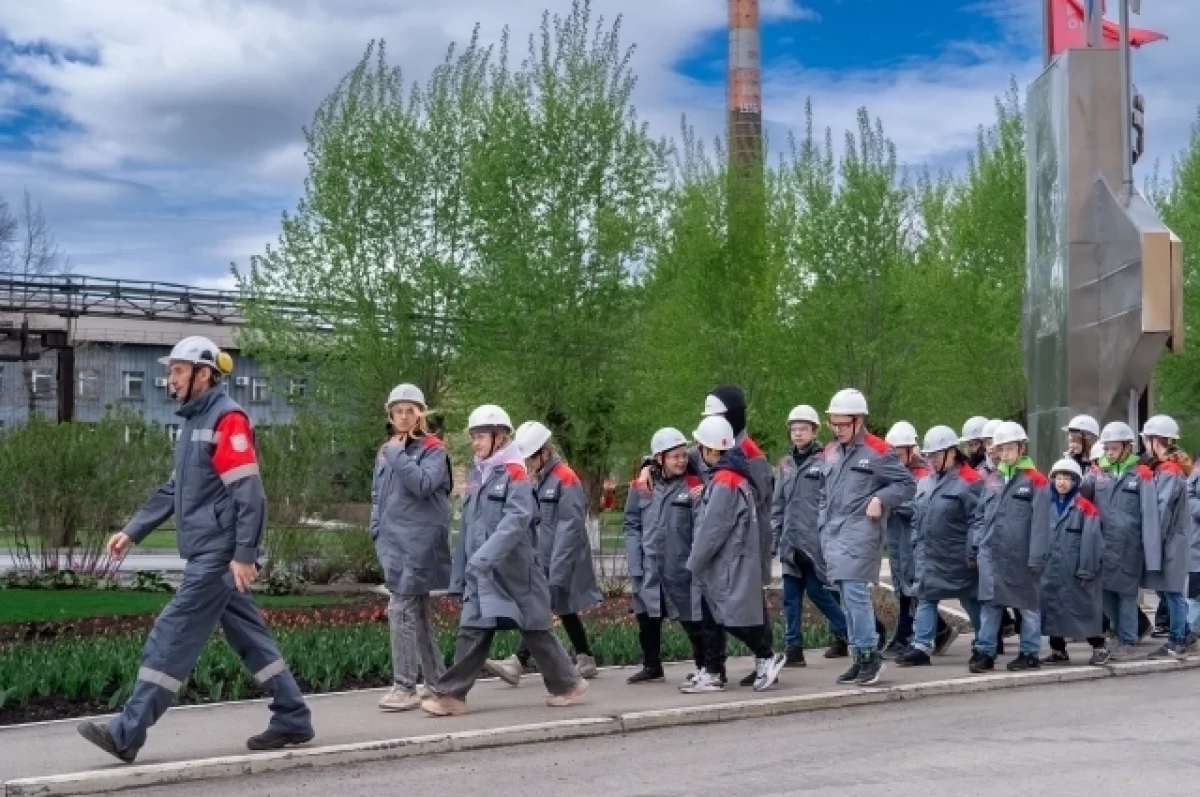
[(91, 667)]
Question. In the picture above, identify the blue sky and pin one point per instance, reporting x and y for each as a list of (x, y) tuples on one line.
[(163, 137)]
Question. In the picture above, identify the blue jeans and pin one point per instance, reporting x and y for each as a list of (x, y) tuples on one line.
[(1177, 610), (990, 617), (1122, 612), (794, 589), (927, 621), (860, 616)]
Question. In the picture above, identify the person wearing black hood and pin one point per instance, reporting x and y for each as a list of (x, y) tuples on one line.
[(725, 556), (729, 402)]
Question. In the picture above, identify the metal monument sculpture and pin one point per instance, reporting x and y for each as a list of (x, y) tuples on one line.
[(1104, 275)]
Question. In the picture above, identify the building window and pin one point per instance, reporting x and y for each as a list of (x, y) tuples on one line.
[(260, 392), (89, 385), (133, 384), (297, 388), (173, 432), (41, 381)]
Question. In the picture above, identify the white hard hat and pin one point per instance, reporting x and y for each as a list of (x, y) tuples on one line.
[(939, 438), (847, 402), (1083, 423), (902, 433), (199, 350), (714, 406), (803, 412), (1097, 452), (406, 392), (989, 429), (1161, 426), (666, 439), (1067, 465), (531, 438), (489, 415), (973, 429), (714, 432), (1117, 432), (1009, 432)]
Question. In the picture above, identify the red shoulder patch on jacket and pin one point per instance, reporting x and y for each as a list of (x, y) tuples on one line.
[(921, 473), (1145, 473), (968, 474), (1171, 467), (565, 474), (876, 444), (693, 481), (1086, 506), (1036, 477), (751, 449), (517, 472), (729, 478), (429, 441)]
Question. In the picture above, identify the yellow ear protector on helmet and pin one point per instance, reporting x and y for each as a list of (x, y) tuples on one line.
[(224, 363)]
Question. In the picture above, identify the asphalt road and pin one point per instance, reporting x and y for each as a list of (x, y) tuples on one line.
[(1111, 737)]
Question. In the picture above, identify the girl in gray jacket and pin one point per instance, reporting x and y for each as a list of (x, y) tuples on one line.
[(410, 524)]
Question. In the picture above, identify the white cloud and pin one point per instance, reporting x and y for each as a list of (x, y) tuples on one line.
[(185, 137)]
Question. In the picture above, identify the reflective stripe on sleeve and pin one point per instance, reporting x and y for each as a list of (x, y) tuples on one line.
[(205, 436), (240, 472)]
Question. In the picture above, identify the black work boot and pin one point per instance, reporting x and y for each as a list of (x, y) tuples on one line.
[(98, 735), (647, 674), (795, 656), (1056, 658), (1024, 662), (913, 657), (894, 650), (981, 663), (274, 740)]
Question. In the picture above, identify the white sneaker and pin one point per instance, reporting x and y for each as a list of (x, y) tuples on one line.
[(691, 679), (767, 671), (399, 699), (704, 682), (586, 665), (509, 670)]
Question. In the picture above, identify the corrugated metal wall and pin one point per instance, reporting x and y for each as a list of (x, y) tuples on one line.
[(124, 376)]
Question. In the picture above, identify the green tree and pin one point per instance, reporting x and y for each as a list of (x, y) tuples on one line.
[(1177, 199), (376, 250), (565, 191), (966, 291)]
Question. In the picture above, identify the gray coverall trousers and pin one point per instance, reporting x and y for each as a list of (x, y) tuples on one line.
[(207, 597)]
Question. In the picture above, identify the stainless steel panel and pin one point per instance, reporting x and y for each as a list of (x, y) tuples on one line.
[(1103, 278)]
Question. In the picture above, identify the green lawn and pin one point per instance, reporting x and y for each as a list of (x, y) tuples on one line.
[(33, 605), (162, 541)]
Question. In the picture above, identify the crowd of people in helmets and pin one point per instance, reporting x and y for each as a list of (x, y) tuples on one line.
[(964, 517)]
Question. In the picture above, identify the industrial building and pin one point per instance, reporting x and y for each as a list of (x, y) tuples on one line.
[(75, 348)]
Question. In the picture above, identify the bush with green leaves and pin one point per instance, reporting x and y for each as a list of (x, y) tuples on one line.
[(67, 487)]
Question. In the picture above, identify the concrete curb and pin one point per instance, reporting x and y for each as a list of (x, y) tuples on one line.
[(119, 778)]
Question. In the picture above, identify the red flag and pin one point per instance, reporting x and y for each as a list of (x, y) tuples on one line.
[(1067, 29)]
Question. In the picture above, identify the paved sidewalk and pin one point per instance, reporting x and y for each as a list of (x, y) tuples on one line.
[(206, 732)]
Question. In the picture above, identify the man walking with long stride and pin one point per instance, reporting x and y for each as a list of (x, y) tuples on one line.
[(216, 496)]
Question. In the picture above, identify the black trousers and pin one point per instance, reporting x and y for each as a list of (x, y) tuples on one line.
[(575, 632), (754, 637), (1060, 644), (650, 639)]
